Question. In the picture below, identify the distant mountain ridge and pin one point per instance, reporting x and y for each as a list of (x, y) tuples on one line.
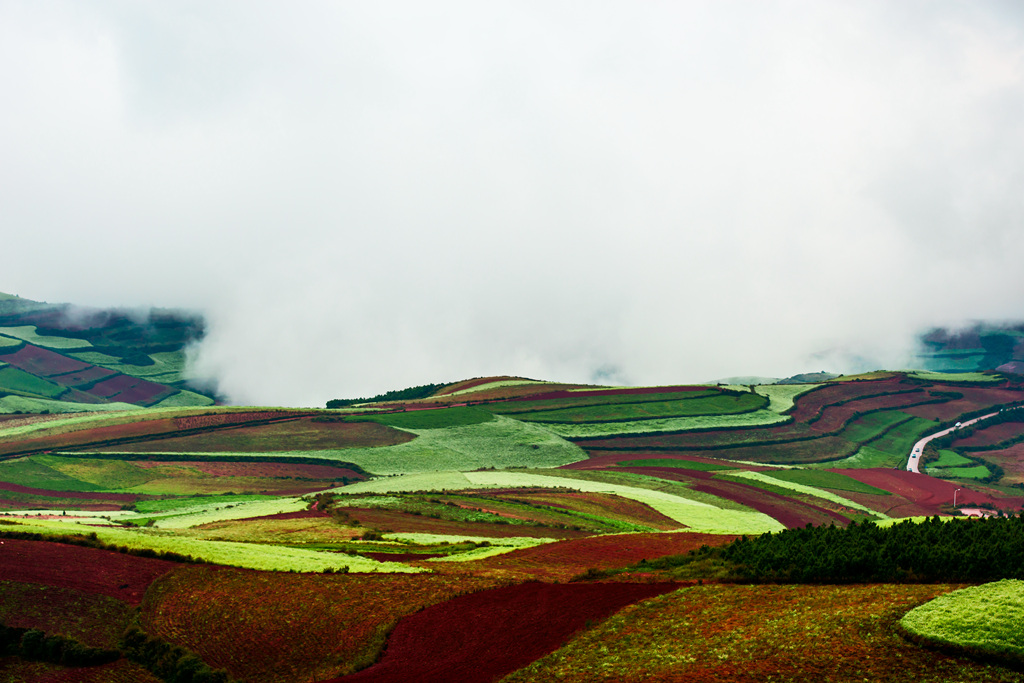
[(61, 357)]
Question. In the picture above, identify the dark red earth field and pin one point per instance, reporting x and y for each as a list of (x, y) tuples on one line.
[(282, 435), (993, 435), (128, 389), (929, 493), (974, 398), (483, 636), (42, 362), (1011, 460), (403, 522), (89, 570), (564, 560)]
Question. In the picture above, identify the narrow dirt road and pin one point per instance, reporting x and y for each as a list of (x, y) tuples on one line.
[(915, 454)]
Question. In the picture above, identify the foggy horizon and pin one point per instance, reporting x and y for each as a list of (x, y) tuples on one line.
[(363, 197)]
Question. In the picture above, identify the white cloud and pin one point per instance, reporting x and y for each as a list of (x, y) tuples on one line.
[(371, 195)]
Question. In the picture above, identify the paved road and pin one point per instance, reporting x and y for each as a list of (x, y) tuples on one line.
[(915, 453)]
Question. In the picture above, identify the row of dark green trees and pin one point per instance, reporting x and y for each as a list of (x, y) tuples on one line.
[(956, 550)]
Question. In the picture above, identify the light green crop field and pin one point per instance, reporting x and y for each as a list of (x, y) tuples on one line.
[(782, 396), (495, 545), (948, 458), (669, 424), (15, 380), (955, 376), (24, 404), (9, 341), (28, 333), (184, 398), (976, 472), (167, 366), (828, 480), (989, 618), (501, 442), (221, 512), (696, 515), (873, 425), (773, 479), (714, 404), (246, 555), (891, 449)]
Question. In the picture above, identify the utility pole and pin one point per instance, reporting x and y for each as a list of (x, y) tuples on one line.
[(954, 498)]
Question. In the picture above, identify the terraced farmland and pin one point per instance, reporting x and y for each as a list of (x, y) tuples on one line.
[(318, 532)]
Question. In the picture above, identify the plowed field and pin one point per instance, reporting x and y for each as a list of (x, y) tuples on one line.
[(89, 570), (484, 636)]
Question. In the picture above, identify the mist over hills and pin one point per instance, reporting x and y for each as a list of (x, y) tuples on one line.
[(56, 357)]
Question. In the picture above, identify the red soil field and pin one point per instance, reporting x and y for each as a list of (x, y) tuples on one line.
[(927, 492), (470, 383), (975, 398), (223, 418), (563, 560), (808, 405), (482, 637), (85, 376), (42, 362), (277, 627), (990, 436), (80, 495), (89, 570), (93, 619), (1010, 459), (128, 389), (281, 435)]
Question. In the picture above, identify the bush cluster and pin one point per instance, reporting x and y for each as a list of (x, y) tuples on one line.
[(170, 663)]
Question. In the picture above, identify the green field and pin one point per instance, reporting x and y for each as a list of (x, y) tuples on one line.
[(9, 341), (18, 381), (772, 479), (975, 472), (719, 404), (979, 377), (671, 424), (28, 333), (593, 398), (439, 418), (981, 619), (825, 480)]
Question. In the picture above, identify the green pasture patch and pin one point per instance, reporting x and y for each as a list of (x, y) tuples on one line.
[(976, 472), (24, 404), (716, 404), (890, 449), (826, 480), (245, 555), (873, 425), (36, 472), (979, 377), (167, 366), (987, 619), (95, 358), (106, 475), (195, 503), (490, 545), (781, 397), (221, 512), (9, 341), (435, 418), (676, 463), (28, 333), (420, 481), (184, 398), (18, 381), (501, 442), (513, 408), (772, 478), (948, 458), (670, 424)]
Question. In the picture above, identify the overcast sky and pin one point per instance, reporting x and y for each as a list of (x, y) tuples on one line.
[(363, 196)]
